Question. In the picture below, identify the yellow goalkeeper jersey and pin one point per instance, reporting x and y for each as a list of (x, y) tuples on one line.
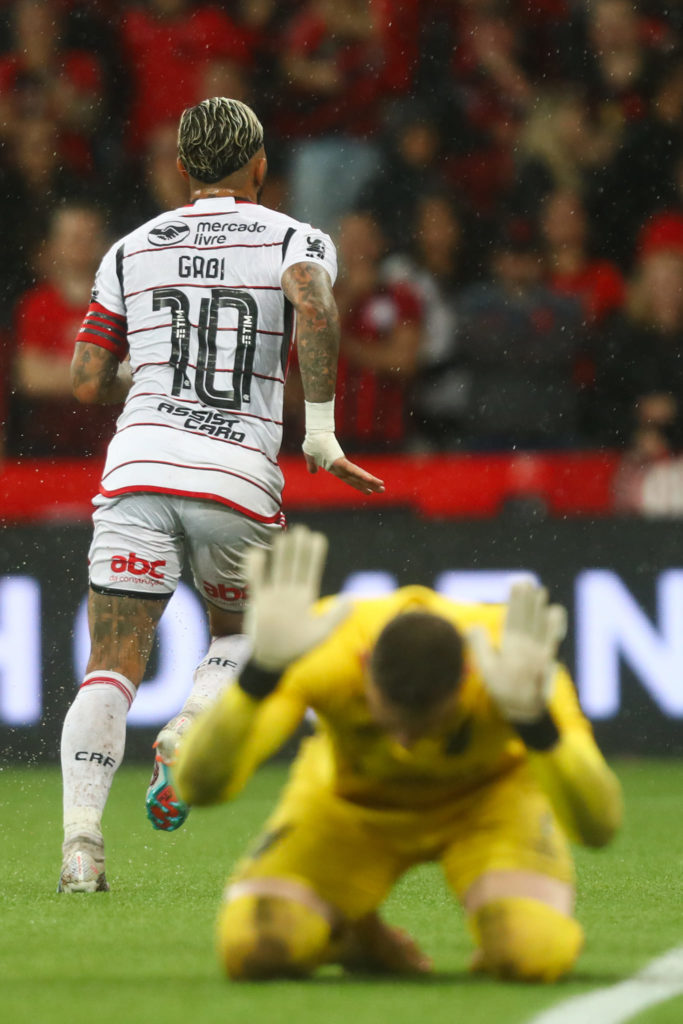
[(351, 757)]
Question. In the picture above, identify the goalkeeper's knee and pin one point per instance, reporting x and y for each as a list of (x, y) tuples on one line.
[(264, 936), (525, 940)]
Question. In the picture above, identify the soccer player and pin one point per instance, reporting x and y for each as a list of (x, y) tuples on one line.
[(191, 320), (446, 732)]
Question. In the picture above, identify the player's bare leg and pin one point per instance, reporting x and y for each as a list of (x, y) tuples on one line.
[(93, 737), (228, 652)]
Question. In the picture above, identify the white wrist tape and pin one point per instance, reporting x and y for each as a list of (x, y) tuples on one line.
[(320, 442), (319, 416)]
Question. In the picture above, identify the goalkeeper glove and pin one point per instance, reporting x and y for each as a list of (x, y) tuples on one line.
[(283, 585), (518, 675)]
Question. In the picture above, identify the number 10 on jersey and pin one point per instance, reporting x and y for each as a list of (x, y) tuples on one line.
[(205, 384)]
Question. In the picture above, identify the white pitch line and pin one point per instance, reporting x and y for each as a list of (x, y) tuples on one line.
[(660, 980)]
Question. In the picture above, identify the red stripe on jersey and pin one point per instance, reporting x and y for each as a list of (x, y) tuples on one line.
[(204, 248), (185, 284), (204, 433), (157, 327), (145, 488), (193, 469), (160, 394), (217, 369)]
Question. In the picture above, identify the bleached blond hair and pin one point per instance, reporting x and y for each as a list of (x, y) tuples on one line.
[(217, 137)]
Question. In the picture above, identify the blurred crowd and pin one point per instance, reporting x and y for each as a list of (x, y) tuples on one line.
[(503, 178)]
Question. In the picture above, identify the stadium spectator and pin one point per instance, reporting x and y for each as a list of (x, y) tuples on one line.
[(640, 368), (517, 348), (335, 68), (560, 145), (436, 267), (645, 175), (169, 46), (205, 314), (411, 165), (33, 182), (598, 284), (649, 478), (38, 76), (45, 419), (619, 60), (447, 733), (485, 87), (160, 188), (381, 328), (571, 268)]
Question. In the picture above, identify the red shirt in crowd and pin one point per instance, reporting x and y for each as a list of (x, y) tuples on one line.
[(599, 285), (78, 71), (167, 58), (370, 407), (47, 323)]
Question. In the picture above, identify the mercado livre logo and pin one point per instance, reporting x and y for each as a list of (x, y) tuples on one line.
[(167, 234)]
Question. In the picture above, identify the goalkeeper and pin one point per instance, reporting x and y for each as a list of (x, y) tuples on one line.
[(446, 732)]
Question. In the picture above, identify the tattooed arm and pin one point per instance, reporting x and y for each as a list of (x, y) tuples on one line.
[(309, 289), (97, 377)]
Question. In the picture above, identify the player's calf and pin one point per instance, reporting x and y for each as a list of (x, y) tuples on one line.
[(524, 940)]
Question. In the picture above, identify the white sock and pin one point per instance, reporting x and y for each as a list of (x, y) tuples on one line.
[(93, 741), (224, 661)]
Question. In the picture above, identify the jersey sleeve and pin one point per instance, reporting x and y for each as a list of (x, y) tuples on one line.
[(105, 323), (584, 792), (228, 742), (108, 288), (309, 245)]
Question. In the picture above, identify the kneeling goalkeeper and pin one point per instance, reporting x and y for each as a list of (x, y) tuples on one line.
[(445, 732)]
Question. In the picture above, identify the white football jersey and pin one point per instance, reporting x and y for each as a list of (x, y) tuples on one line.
[(195, 297)]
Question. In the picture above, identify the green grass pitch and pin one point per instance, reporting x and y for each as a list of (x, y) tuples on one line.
[(144, 951)]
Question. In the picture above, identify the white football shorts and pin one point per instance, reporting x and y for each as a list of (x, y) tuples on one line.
[(140, 542)]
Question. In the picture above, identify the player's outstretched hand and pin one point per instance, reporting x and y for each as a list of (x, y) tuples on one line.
[(323, 451), (519, 674), (371, 946), (283, 585), (350, 474)]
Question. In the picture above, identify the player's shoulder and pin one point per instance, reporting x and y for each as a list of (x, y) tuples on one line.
[(283, 219), (163, 229), (300, 239)]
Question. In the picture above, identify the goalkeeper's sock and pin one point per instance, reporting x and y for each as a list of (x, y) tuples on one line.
[(224, 660), (93, 741)]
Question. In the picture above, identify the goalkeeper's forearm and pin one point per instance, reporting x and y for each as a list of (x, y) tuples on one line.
[(584, 792), (211, 752)]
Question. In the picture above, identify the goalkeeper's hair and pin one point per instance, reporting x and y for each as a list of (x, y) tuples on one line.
[(417, 660), (217, 137)]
